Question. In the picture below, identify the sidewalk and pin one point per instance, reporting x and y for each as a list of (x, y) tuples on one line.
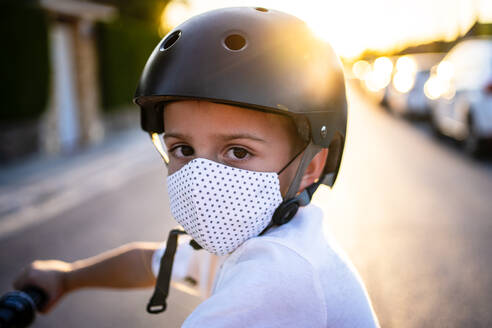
[(42, 187)]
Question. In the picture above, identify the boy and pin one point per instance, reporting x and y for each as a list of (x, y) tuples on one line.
[(253, 112)]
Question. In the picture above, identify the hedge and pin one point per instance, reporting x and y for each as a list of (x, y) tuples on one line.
[(24, 61), (124, 46)]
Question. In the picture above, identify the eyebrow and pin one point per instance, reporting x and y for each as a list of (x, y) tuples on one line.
[(174, 135), (229, 137), (226, 137)]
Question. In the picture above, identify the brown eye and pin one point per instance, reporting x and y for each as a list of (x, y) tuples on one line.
[(182, 151), (239, 153), (187, 150)]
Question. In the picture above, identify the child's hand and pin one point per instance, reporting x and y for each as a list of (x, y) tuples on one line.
[(49, 276)]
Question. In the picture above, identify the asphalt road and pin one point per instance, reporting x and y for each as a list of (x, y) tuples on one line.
[(413, 213)]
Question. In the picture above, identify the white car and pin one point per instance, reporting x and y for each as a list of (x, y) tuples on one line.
[(405, 94), (461, 87)]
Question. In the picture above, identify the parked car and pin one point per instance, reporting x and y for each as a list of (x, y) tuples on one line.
[(405, 94), (461, 89)]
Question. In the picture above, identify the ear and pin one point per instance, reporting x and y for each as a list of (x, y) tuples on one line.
[(314, 169)]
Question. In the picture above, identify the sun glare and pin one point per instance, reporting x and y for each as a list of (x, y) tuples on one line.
[(352, 26), (174, 14)]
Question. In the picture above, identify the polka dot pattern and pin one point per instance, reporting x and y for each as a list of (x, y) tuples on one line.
[(222, 206)]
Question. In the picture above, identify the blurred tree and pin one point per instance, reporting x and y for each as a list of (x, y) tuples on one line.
[(479, 29), (24, 60), (124, 46), (145, 10)]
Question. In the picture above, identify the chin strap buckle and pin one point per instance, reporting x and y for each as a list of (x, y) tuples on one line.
[(286, 211)]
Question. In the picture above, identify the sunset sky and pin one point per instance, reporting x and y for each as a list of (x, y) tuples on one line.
[(354, 25)]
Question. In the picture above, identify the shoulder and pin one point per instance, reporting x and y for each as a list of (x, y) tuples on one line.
[(324, 272), (345, 294), (306, 240), (268, 260), (263, 284)]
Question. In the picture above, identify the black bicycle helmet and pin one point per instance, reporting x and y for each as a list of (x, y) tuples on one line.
[(256, 58)]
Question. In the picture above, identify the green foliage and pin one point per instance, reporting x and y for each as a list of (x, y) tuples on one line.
[(124, 46), (483, 29), (24, 61), (144, 10)]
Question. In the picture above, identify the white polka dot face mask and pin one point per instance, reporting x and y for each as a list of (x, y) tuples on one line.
[(222, 206)]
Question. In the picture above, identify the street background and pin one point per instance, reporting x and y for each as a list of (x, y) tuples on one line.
[(411, 208)]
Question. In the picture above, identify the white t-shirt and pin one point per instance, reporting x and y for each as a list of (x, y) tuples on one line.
[(292, 276)]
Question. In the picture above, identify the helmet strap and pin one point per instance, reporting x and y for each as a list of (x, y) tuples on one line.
[(292, 201), (309, 152), (157, 302)]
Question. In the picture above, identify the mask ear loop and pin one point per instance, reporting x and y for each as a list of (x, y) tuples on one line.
[(292, 160), (309, 152), (158, 146)]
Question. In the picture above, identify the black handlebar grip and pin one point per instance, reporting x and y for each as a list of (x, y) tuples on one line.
[(18, 308)]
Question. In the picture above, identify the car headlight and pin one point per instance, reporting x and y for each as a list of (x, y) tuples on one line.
[(403, 81)]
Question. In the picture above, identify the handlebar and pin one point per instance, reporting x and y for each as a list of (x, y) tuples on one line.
[(18, 308)]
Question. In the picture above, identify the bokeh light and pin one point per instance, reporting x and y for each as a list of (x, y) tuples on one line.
[(360, 69), (406, 64), (380, 76), (404, 78), (440, 84), (445, 70), (174, 14)]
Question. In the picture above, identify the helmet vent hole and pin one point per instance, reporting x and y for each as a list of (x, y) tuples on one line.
[(235, 42), (170, 40), (261, 9)]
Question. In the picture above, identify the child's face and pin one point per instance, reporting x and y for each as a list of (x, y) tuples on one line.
[(234, 136)]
